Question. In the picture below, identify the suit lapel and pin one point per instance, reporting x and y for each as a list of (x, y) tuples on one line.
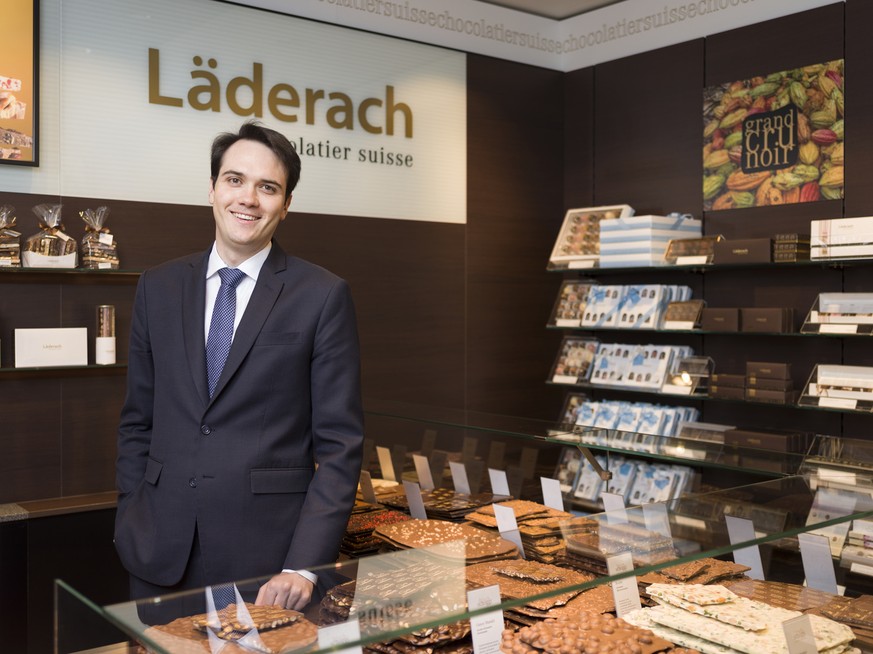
[(193, 308), (260, 305)]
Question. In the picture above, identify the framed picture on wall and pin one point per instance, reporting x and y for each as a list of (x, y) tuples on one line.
[(19, 83)]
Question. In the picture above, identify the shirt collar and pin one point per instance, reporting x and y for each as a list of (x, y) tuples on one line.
[(251, 266)]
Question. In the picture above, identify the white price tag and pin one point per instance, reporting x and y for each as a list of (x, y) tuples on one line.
[(499, 482), (367, 491), (798, 635), (385, 464), (613, 505), (338, 634), (508, 526), (422, 469), (741, 530), (837, 329), (413, 498), (818, 566), (459, 477), (625, 591), (552, 496), (487, 628)]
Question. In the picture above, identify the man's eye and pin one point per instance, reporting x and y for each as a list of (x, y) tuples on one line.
[(233, 180), (268, 188)]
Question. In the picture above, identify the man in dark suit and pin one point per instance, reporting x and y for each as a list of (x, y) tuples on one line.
[(247, 469)]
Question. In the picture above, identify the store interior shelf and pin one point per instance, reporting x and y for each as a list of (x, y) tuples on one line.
[(67, 276), (64, 371), (818, 263)]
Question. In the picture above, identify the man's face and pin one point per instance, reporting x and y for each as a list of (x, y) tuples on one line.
[(248, 200)]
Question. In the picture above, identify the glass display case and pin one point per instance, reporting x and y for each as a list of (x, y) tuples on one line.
[(409, 590)]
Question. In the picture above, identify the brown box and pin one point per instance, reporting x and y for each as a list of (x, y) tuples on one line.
[(779, 320), (767, 369), (727, 392), (745, 250), (766, 384), (762, 440), (727, 379), (774, 397), (720, 320)]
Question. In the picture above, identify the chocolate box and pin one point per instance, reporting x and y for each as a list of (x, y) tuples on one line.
[(728, 379), (720, 319), (778, 320), (745, 250), (768, 370), (766, 384), (727, 392)]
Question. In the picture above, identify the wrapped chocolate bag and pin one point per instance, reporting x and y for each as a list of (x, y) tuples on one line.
[(10, 240), (51, 247), (99, 248)]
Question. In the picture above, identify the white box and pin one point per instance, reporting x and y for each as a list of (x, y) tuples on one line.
[(37, 348), (841, 238)]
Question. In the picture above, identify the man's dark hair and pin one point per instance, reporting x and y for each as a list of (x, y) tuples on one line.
[(254, 131)]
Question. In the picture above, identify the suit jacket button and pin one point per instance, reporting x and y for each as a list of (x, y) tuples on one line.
[(192, 482), (205, 430)]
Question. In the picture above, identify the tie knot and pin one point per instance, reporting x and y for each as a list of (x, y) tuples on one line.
[(231, 276)]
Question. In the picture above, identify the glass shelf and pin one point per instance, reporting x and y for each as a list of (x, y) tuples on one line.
[(68, 276), (696, 268), (395, 593), (706, 332)]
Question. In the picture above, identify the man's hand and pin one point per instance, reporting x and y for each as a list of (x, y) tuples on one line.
[(286, 589)]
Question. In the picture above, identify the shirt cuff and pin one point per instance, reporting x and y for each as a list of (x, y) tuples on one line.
[(305, 574)]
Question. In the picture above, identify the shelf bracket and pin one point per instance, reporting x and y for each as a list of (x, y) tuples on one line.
[(605, 475)]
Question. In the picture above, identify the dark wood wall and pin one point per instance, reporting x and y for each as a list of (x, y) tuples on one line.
[(453, 315)]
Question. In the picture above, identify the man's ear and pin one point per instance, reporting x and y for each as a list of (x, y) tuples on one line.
[(211, 194)]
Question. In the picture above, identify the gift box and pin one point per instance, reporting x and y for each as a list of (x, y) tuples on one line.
[(643, 240), (841, 238)]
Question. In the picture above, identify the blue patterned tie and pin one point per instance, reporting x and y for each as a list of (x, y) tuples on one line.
[(221, 327)]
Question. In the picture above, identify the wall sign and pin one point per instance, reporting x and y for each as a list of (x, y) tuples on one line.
[(19, 87), (775, 139), (145, 85)]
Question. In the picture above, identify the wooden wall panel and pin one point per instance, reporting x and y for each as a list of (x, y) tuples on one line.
[(407, 279), (579, 138), (514, 209), (647, 139), (859, 108)]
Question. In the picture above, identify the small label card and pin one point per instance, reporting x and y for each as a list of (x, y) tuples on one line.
[(422, 469), (367, 492), (385, 463), (487, 628), (657, 519), (508, 526), (338, 634), (459, 477), (741, 530), (613, 505), (818, 566), (499, 482), (552, 496), (625, 591), (413, 498), (798, 635)]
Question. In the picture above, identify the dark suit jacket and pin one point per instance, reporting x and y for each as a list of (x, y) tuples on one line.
[(241, 466)]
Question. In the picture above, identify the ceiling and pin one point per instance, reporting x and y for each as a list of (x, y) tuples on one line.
[(557, 9)]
